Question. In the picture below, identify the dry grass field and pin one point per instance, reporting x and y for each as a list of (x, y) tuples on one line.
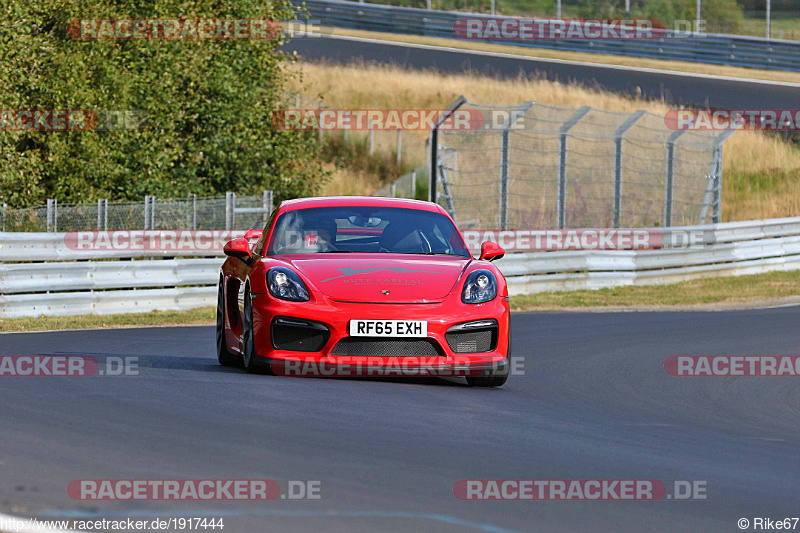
[(761, 172)]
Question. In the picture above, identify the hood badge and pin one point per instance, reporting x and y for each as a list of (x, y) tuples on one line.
[(385, 291)]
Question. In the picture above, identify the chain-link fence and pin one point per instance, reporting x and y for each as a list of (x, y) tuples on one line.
[(411, 185), (194, 213), (544, 166)]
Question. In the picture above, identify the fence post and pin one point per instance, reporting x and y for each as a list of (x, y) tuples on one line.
[(149, 212), (393, 189), (266, 204), (319, 126), (716, 196), (625, 126), (102, 214), (230, 206), (716, 169), (52, 215), (413, 184), (399, 146), (670, 178), (562, 163), (433, 157), (434, 148), (371, 138), (193, 200), (504, 140), (3, 209)]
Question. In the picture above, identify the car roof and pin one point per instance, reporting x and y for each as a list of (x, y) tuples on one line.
[(362, 201)]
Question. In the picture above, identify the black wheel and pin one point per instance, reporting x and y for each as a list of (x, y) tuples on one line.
[(224, 357), (490, 377), (249, 358)]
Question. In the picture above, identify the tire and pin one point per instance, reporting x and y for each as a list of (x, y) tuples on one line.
[(224, 357), (490, 378), (249, 357)]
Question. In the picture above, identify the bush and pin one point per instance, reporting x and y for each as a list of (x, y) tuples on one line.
[(208, 105)]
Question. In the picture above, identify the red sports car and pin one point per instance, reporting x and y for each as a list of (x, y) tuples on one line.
[(363, 286)]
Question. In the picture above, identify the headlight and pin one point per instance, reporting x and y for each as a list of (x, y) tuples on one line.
[(480, 287), (286, 285)]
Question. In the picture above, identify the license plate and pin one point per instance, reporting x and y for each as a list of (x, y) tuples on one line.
[(388, 328)]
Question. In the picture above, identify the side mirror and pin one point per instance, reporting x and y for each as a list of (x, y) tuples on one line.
[(491, 250), (238, 248)]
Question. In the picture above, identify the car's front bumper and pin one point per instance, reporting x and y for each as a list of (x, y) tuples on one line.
[(335, 316)]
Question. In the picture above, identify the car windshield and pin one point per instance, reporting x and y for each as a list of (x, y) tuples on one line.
[(366, 230)]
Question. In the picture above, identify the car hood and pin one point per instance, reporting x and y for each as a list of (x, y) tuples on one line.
[(384, 278)]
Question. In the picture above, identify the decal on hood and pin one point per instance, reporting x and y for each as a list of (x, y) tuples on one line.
[(352, 271)]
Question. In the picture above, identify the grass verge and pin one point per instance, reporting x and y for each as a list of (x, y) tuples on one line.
[(733, 291), (606, 59), (195, 317)]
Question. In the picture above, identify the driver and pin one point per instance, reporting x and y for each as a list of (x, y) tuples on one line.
[(320, 233)]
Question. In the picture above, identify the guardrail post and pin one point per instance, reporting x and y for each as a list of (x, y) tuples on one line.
[(434, 152), (625, 126), (230, 206), (504, 142), (3, 209), (266, 204), (52, 215), (102, 213), (413, 184), (562, 163)]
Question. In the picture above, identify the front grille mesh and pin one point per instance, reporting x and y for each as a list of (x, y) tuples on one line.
[(368, 346), (472, 341)]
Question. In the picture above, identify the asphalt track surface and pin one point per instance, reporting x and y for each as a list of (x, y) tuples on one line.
[(594, 403), (693, 90)]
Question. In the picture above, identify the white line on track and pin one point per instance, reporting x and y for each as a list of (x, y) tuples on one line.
[(692, 75)]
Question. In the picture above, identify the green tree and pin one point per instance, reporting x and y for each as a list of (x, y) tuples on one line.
[(208, 105)]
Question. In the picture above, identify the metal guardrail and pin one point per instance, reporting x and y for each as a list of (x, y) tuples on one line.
[(63, 281), (716, 49)]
